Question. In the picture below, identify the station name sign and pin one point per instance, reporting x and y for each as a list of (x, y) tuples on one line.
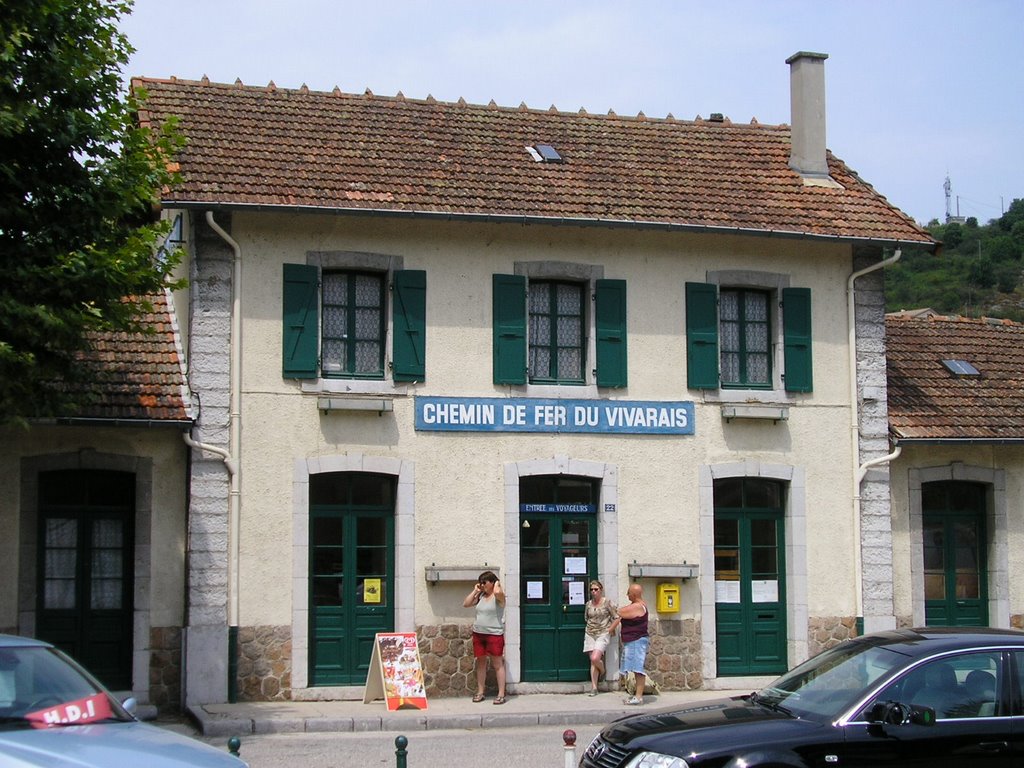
[(525, 414)]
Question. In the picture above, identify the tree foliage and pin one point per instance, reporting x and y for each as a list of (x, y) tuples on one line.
[(79, 180), (980, 270)]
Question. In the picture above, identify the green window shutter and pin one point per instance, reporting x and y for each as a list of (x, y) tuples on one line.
[(301, 332), (701, 336), (610, 315), (509, 329), (409, 318), (796, 331)]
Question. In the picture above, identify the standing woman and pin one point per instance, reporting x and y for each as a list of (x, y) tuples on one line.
[(488, 632), (635, 639), (600, 613)]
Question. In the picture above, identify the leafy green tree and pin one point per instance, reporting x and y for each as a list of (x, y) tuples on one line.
[(980, 273), (953, 235), (1014, 214), (1007, 276), (1002, 248), (78, 185), (1017, 233)]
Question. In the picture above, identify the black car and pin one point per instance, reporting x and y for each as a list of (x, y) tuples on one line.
[(914, 697)]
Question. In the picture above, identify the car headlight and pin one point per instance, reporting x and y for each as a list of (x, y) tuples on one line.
[(656, 760)]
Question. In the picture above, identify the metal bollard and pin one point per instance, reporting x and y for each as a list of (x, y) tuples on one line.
[(234, 745), (569, 741), (400, 744)]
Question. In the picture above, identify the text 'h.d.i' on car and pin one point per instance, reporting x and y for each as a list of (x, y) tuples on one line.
[(53, 713)]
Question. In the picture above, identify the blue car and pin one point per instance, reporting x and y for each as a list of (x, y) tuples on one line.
[(55, 714)]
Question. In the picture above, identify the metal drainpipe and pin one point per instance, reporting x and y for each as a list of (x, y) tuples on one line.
[(231, 457), (858, 470)]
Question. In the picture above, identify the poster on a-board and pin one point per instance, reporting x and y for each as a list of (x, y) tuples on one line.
[(396, 673)]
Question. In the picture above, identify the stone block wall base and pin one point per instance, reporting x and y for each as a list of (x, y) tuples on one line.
[(165, 668), (446, 652), (674, 658), (823, 632), (265, 663)]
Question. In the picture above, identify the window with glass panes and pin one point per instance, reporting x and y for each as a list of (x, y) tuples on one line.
[(556, 334), (353, 324), (745, 338)]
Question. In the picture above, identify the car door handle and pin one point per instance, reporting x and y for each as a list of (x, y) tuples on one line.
[(993, 746)]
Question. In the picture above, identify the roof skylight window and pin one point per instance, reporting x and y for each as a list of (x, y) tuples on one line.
[(544, 153), (961, 368)]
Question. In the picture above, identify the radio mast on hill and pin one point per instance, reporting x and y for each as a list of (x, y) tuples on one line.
[(950, 218)]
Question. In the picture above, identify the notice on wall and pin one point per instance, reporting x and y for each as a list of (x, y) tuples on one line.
[(396, 673)]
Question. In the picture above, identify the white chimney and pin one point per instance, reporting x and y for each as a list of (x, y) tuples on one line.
[(807, 114)]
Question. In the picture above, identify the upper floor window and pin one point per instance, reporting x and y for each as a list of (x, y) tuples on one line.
[(735, 339), (545, 333), (746, 346), (337, 323), (353, 324), (556, 335)]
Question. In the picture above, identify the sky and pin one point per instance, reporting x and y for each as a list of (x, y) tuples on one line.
[(916, 90)]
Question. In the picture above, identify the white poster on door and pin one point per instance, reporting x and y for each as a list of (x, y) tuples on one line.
[(727, 591), (535, 590), (577, 595), (575, 565), (764, 591)]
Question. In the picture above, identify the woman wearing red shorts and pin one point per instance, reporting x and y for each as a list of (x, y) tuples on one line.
[(488, 631)]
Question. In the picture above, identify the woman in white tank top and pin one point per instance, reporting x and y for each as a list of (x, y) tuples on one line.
[(488, 598)]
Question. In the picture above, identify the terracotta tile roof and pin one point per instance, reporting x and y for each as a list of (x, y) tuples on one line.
[(927, 402), (268, 146), (137, 376)]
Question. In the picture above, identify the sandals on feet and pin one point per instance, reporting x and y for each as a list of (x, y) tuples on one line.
[(633, 701), (499, 700), (593, 692), (477, 698)]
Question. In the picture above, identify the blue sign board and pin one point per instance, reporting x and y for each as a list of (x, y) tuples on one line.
[(560, 508), (527, 414)]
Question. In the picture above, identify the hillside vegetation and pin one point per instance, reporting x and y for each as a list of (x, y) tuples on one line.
[(977, 273)]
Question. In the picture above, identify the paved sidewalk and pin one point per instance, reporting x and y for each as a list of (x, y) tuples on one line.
[(525, 709)]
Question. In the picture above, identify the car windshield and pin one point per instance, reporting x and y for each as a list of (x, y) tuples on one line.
[(41, 688), (827, 685)]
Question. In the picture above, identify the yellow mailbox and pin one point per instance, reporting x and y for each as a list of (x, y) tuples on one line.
[(668, 598)]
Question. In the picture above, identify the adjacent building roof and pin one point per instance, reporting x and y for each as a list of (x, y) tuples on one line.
[(136, 377), (274, 147), (933, 397)]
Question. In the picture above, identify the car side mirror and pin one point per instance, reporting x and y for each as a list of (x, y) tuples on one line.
[(895, 713), (130, 705)]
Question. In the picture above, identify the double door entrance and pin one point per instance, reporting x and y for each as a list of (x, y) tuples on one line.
[(750, 588), (351, 573), (955, 568), (558, 558), (85, 574)]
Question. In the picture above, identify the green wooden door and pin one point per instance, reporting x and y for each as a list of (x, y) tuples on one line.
[(85, 569), (954, 536), (351, 573), (750, 588), (558, 557)]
